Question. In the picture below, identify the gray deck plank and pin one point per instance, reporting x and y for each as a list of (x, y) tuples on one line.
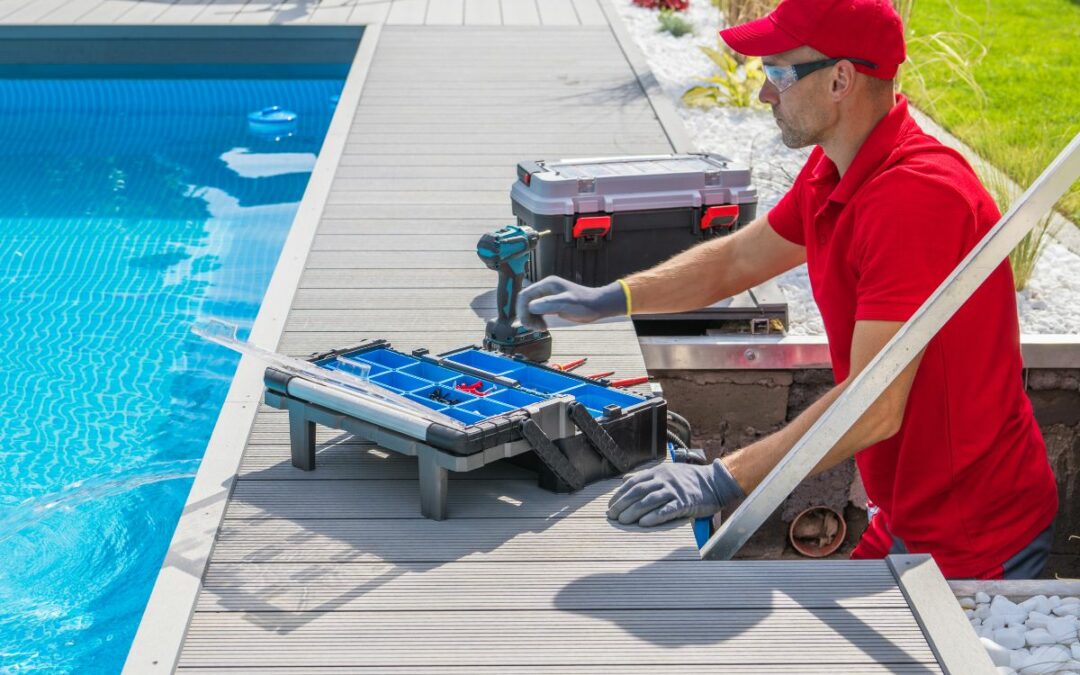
[(116, 11), (33, 12), (483, 13), (445, 13), (331, 11), (844, 636), (182, 12), (407, 12), (619, 669), (70, 12), (370, 12), (421, 540), (219, 12), (520, 12), (574, 586), (386, 498)]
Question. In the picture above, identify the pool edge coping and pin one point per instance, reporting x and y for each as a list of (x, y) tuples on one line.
[(165, 620)]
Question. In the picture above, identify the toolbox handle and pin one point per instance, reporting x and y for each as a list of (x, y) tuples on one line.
[(720, 216), (592, 226)]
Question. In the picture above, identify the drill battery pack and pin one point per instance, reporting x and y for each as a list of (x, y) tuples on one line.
[(570, 430)]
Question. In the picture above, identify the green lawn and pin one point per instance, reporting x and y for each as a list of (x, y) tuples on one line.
[(1031, 77)]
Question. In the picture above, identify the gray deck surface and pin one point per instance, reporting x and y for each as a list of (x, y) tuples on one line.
[(334, 570), (277, 12)]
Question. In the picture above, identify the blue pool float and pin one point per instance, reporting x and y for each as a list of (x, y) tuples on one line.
[(273, 120)]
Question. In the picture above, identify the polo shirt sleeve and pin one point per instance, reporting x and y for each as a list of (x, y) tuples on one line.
[(786, 217), (910, 233)]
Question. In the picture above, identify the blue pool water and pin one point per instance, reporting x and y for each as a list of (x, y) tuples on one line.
[(129, 210)]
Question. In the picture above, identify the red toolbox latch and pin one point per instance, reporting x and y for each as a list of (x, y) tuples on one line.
[(592, 226), (720, 216)]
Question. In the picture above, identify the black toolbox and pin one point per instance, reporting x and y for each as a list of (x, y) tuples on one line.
[(611, 217)]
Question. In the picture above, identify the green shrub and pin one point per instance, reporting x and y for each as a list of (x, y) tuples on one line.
[(671, 22), (734, 84)]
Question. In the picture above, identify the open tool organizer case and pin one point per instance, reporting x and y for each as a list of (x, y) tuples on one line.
[(570, 429)]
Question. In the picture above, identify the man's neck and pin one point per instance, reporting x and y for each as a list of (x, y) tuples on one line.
[(851, 132)]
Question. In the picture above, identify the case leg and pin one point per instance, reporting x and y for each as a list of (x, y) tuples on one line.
[(432, 488), (301, 437)]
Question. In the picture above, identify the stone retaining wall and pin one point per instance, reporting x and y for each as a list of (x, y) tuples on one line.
[(731, 408)]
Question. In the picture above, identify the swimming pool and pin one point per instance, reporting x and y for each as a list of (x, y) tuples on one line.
[(129, 209)]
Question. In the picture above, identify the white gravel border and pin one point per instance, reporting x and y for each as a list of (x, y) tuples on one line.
[(1049, 305)]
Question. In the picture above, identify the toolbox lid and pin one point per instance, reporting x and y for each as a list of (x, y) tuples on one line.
[(634, 183)]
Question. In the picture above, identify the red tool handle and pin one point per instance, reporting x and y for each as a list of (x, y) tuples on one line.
[(720, 216), (567, 367), (630, 381), (600, 376)]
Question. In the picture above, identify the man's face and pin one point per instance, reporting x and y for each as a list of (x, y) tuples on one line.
[(802, 111)]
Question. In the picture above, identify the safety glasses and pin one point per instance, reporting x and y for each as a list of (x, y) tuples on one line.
[(783, 77)]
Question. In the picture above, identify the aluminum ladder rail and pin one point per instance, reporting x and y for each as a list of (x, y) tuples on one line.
[(912, 337)]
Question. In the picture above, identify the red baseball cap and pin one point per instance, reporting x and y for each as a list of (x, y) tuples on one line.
[(860, 29)]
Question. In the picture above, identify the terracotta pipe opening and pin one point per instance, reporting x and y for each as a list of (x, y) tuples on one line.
[(817, 531)]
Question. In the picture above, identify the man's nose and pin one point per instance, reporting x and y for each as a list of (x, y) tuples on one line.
[(768, 93)]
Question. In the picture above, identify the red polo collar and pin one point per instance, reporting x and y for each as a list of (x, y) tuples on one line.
[(880, 145)]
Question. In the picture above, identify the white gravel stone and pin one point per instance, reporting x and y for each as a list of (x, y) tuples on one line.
[(1071, 609), (1063, 630), (998, 654), (1037, 620), (1038, 637), (1010, 638), (982, 597), (1045, 660), (1005, 670), (1038, 603), (1018, 658), (969, 613), (1075, 651), (983, 611), (967, 602)]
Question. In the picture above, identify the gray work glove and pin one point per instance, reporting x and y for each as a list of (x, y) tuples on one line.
[(574, 302), (672, 491)]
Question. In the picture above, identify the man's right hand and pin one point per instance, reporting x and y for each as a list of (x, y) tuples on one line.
[(554, 295)]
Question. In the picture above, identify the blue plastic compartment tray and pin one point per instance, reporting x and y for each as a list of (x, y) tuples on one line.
[(435, 381)]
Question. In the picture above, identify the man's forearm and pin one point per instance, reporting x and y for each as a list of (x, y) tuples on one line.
[(690, 280), (751, 464)]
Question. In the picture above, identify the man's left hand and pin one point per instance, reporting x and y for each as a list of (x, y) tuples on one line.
[(672, 491)]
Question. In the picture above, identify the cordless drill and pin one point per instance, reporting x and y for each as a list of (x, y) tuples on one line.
[(507, 251)]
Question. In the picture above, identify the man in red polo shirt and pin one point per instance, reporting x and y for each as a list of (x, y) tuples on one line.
[(950, 455)]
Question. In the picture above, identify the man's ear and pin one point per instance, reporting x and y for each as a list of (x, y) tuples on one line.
[(843, 81)]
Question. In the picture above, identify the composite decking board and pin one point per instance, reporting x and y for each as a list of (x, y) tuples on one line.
[(369, 13), (821, 666), (573, 586), (120, 11), (793, 636), (316, 540), (33, 12), (372, 279), (418, 319), (519, 13), (483, 13), (406, 12), (386, 498), (444, 13), (70, 12)]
